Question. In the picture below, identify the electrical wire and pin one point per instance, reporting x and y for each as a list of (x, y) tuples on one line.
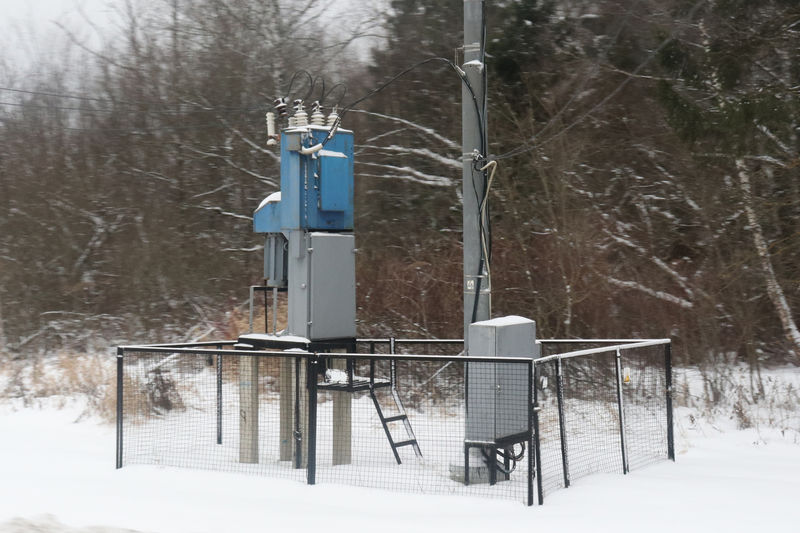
[(54, 107), (394, 78), (506, 454), (91, 110), (131, 130), (294, 77), (311, 86), (483, 215), (325, 95), (322, 92), (110, 101), (143, 130)]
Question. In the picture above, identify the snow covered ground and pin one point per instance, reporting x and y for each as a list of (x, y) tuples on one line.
[(57, 475)]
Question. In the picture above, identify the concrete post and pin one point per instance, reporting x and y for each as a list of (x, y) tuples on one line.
[(476, 283), (342, 422), (248, 409)]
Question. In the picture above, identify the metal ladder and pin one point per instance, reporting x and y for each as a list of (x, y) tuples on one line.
[(402, 416)]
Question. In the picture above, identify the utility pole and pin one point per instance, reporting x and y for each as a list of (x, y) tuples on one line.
[(477, 290)]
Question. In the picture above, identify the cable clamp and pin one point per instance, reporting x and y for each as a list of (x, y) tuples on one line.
[(477, 160)]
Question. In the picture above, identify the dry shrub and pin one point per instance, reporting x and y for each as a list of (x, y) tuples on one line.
[(415, 293), (65, 376), (237, 321), (731, 393), (162, 393)]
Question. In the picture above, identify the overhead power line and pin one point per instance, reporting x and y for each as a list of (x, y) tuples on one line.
[(179, 107)]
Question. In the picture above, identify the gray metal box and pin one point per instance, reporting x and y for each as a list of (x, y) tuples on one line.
[(332, 280), (497, 393)]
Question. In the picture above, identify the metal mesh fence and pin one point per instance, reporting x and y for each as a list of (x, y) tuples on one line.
[(549, 436), (591, 415), (601, 409), (436, 424), (177, 413), (644, 401), (407, 432), (403, 424)]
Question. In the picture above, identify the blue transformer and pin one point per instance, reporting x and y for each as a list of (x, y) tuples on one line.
[(310, 248), (316, 188)]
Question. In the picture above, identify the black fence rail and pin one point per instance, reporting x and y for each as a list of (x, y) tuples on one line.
[(437, 424)]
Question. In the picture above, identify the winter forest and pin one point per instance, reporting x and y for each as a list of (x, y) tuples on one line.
[(647, 179)]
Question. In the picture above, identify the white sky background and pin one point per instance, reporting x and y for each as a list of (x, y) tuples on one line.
[(30, 32), (29, 29)]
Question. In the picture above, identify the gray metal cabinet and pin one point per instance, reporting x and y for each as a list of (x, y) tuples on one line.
[(497, 393)]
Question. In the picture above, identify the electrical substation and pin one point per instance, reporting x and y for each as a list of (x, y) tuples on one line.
[(503, 402)]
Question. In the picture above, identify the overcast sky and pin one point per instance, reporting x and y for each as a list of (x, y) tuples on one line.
[(30, 32), (42, 11)]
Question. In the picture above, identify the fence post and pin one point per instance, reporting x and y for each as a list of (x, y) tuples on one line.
[(392, 364), (311, 471), (297, 434), (668, 375), (531, 383), (275, 310), (252, 295), (622, 438), (286, 420), (219, 395), (120, 355), (537, 447), (266, 310), (562, 430)]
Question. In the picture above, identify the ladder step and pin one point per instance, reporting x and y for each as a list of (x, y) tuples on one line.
[(395, 418), (405, 443)]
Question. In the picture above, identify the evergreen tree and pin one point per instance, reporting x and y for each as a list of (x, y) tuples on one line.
[(731, 94)]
